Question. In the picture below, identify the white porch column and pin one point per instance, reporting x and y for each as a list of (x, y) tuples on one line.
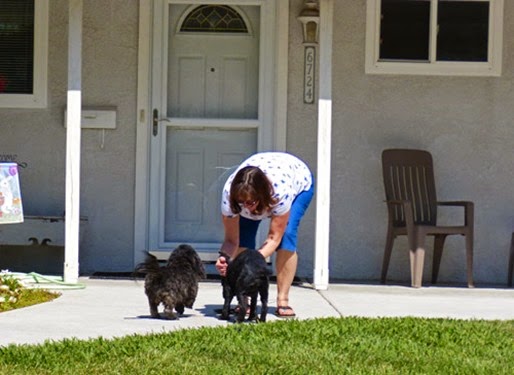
[(324, 146), (73, 132)]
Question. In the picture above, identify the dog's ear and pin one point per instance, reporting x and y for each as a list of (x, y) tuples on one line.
[(195, 260), (198, 266)]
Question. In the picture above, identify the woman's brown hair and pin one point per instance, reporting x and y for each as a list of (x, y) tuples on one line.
[(250, 183)]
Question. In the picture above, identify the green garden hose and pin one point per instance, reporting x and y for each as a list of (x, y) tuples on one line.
[(36, 280)]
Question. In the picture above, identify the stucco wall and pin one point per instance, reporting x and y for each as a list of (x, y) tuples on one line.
[(301, 134), (465, 122), (38, 137)]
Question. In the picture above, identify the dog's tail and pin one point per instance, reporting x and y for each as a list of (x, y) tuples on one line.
[(150, 265)]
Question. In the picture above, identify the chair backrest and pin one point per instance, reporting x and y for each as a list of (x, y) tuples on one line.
[(409, 175)]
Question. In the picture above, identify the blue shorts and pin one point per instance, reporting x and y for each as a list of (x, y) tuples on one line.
[(248, 228)]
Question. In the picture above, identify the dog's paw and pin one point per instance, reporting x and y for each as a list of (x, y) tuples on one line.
[(169, 315), (179, 309), (253, 317), (224, 316), (256, 319)]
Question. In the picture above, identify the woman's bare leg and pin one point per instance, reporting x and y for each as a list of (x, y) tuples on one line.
[(286, 263)]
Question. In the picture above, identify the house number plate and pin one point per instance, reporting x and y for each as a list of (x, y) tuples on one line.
[(308, 89)]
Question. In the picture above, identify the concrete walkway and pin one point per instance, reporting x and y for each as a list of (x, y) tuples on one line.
[(111, 308)]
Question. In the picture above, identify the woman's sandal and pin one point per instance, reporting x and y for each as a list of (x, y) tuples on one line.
[(285, 312)]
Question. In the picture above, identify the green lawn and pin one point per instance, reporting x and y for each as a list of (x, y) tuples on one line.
[(320, 346), (14, 295)]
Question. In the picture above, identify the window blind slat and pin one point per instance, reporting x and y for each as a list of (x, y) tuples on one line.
[(16, 46)]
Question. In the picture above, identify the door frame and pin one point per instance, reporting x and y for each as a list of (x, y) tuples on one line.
[(272, 97)]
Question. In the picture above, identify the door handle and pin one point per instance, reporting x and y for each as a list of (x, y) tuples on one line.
[(155, 122)]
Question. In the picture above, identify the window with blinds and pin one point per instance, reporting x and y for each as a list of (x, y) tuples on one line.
[(16, 46), (23, 53)]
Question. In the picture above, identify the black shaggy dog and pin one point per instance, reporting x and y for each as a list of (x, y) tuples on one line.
[(175, 285), (247, 276)]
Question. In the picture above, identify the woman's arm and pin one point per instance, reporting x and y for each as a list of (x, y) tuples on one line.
[(276, 232), (231, 239), (230, 243)]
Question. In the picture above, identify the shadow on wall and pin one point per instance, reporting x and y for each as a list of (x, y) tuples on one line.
[(39, 258), (36, 245)]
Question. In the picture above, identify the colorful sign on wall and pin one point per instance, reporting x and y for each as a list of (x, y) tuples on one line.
[(11, 209)]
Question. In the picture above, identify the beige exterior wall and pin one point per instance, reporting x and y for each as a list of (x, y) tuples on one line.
[(466, 122), (301, 132), (38, 136)]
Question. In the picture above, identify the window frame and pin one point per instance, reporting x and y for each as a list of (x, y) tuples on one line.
[(491, 67), (38, 98)]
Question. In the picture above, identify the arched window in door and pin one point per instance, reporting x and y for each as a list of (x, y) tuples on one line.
[(214, 19)]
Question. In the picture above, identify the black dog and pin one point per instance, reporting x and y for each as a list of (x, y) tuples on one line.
[(174, 285), (247, 276)]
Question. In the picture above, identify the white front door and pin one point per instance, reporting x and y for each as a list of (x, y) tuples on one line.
[(208, 114)]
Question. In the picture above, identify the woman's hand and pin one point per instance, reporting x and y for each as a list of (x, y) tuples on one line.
[(221, 266)]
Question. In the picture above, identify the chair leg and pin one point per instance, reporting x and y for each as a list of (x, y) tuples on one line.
[(469, 258), (387, 254), (417, 260), (511, 262), (438, 252)]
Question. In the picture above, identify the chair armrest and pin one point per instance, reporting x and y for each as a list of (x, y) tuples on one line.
[(469, 210), (455, 203)]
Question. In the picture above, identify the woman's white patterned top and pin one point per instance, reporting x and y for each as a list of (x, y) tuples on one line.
[(288, 175)]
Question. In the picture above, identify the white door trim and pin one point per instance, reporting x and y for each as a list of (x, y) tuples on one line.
[(143, 122), (277, 34)]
